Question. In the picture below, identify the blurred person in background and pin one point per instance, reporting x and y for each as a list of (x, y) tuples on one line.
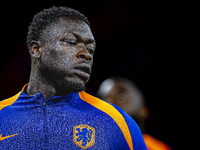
[(125, 94)]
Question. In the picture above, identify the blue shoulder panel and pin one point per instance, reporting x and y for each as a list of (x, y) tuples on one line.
[(138, 141)]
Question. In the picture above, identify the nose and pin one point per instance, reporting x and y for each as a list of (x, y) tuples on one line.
[(84, 54)]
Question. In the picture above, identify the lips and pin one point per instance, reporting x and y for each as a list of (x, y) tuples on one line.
[(83, 71)]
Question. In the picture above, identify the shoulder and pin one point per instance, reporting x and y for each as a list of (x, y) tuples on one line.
[(128, 126), (9, 101), (109, 109), (129, 120), (112, 110), (137, 138)]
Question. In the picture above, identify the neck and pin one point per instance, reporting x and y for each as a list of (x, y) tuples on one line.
[(40, 84)]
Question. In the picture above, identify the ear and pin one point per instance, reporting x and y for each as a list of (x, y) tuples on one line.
[(35, 49)]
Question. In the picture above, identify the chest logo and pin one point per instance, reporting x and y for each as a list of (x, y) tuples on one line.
[(3, 138), (84, 136)]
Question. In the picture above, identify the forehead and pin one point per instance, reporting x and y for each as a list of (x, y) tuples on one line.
[(66, 25)]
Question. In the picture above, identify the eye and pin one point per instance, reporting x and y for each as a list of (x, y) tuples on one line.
[(121, 97), (90, 50), (70, 42)]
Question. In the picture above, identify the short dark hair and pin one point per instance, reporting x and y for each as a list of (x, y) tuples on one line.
[(44, 18)]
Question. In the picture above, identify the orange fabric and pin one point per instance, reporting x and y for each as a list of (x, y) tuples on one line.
[(112, 112), (10, 100), (154, 144)]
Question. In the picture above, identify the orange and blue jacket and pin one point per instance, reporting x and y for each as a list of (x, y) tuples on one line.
[(75, 121)]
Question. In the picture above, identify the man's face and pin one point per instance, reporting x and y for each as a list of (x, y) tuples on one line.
[(122, 95), (67, 52)]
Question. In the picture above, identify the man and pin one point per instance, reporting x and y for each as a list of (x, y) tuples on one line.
[(125, 94), (53, 111)]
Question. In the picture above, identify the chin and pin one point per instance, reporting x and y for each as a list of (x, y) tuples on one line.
[(72, 84)]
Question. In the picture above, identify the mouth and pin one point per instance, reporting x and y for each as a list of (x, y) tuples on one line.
[(83, 71)]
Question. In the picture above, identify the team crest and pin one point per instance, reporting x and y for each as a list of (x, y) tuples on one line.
[(84, 136)]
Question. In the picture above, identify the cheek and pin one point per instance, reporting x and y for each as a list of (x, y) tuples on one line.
[(60, 53), (63, 52), (57, 59)]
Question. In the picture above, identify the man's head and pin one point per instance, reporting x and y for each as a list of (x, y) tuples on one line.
[(125, 94), (61, 46)]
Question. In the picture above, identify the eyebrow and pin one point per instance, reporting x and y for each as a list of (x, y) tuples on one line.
[(85, 40)]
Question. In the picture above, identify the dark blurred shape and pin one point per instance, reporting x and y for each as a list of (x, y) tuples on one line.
[(125, 94)]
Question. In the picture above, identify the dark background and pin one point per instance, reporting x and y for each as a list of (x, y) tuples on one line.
[(136, 40)]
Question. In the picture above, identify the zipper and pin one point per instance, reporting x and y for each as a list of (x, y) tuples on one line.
[(45, 128)]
